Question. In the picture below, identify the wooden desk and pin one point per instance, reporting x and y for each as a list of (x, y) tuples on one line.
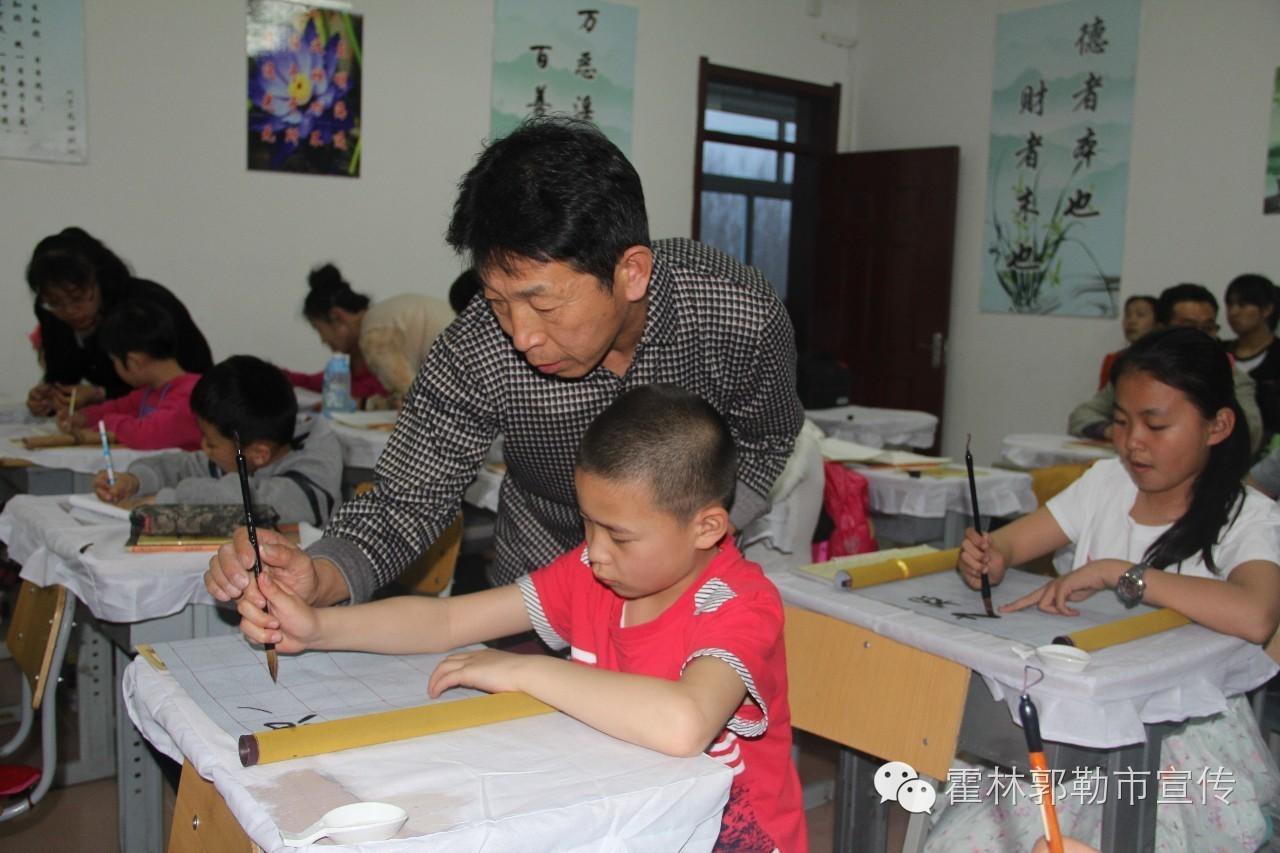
[(542, 783), (898, 698)]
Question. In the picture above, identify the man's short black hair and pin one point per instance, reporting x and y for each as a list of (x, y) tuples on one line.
[(671, 439), (138, 325), (555, 189), (1171, 296), (246, 395)]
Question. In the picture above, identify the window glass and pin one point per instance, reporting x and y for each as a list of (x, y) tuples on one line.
[(771, 240), (724, 223)]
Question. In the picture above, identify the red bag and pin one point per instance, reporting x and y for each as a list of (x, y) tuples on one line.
[(846, 500)]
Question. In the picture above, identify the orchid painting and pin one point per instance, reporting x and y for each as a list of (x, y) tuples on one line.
[(304, 89)]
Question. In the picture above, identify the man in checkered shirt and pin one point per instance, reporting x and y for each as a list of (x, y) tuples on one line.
[(578, 306)]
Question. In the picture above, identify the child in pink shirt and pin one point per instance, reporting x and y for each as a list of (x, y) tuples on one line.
[(142, 341)]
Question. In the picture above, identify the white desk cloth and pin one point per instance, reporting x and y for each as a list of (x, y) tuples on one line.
[(541, 783), (877, 427), (90, 559), (83, 459), (1038, 450), (1187, 672), (1000, 493)]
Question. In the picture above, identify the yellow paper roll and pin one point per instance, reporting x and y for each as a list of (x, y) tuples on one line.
[(334, 735), (1124, 630), (901, 569)]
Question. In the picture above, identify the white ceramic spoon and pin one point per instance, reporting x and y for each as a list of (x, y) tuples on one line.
[(352, 824)]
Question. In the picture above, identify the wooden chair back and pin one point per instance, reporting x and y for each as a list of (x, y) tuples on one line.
[(33, 634)]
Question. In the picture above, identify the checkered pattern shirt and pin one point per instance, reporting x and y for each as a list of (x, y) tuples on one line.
[(713, 327)]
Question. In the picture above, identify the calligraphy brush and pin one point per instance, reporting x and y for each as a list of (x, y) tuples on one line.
[(242, 468), (1040, 767), (977, 523)]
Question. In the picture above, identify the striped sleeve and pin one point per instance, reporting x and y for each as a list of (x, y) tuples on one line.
[(537, 615), (739, 724), (741, 625)]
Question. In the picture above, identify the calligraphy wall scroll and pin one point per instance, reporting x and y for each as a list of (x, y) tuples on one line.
[(1058, 168), (564, 57), (42, 107)]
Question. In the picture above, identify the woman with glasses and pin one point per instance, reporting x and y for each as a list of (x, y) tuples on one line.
[(76, 281)]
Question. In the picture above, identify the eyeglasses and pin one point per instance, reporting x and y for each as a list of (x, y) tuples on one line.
[(1209, 328), (70, 297)]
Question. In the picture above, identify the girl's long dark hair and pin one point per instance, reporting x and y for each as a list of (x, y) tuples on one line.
[(1195, 364)]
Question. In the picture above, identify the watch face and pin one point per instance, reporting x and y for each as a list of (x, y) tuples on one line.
[(1129, 588)]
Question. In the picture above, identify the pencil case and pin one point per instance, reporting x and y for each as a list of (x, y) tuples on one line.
[(201, 520)]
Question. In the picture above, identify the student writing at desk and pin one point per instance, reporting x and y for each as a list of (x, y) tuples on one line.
[(387, 340), (77, 281), (299, 474), (1169, 524), (141, 339), (676, 639), (579, 306)]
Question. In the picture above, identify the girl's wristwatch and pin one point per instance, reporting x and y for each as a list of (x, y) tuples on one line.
[(1130, 586)]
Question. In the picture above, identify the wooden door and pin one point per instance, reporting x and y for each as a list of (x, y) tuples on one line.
[(883, 284)]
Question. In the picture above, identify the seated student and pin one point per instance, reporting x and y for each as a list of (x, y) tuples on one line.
[(141, 339), (1170, 524), (1252, 312), (300, 476), (1139, 318), (77, 281), (1183, 305), (390, 338), (676, 640)]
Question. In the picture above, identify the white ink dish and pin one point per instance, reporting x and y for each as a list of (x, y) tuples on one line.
[(1067, 658), (352, 824)]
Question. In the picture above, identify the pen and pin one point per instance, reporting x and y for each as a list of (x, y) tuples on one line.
[(977, 522), (71, 406), (106, 452), (1040, 770), (242, 468)]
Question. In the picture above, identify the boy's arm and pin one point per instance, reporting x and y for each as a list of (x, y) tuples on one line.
[(165, 470), (404, 625), (673, 717)]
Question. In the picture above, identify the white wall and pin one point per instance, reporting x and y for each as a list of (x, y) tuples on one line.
[(922, 77), (166, 185)]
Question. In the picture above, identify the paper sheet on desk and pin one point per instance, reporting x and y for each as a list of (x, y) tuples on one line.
[(839, 450), (944, 595), (97, 510), (383, 420), (227, 678)]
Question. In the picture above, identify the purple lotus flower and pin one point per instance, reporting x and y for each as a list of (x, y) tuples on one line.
[(297, 94)]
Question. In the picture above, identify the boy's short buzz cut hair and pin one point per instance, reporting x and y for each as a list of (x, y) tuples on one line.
[(673, 440), (246, 395)]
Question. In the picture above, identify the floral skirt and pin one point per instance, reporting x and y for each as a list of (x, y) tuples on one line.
[(1218, 790)]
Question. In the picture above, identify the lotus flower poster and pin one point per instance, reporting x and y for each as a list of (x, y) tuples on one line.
[(1058, 168), (304, 89), (564, 57)]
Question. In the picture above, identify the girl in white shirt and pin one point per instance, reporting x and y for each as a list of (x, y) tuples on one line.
[(1168, 523)]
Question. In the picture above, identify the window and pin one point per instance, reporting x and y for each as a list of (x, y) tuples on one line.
[(755, 185)]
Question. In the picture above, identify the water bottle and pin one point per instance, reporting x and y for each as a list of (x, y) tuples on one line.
[(337, 385)]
